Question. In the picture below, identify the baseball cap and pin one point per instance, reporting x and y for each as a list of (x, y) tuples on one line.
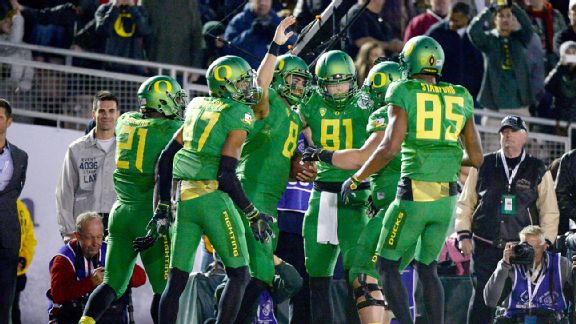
[(514, 122)]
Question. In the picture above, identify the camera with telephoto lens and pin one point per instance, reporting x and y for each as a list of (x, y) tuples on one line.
[(523, 253)]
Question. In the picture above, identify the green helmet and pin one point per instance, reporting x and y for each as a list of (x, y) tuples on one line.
[(334, 68), (289, 64), (421, 54), (163, 94), (378, 80), (232, 77)]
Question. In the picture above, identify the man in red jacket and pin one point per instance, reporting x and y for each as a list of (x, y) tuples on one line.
[(78, 269)]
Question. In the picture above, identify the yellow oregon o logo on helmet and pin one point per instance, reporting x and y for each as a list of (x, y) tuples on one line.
[(119, 26), (383, 80), (159, 90), (280, 65), (228, 74)]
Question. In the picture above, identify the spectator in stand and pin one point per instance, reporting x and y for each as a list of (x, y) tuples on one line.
[(511, 190), (176, 36), (78, 269), (85, 182), (123, 24), (369, 53), (27, 247), (306, 10), (12, 30), (12, 178), (561, 83), (398, 13), (251, 29), (213, 32), (464, 64), (369, 26), (546, 22), (58, 23), (569, 33), (506, 83), (566, 190), (420, 24)]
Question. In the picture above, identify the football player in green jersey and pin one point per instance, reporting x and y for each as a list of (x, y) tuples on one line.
[(368, 295), (265, 163), (203, 156), (426, 119), (141, 136), (337, 120)]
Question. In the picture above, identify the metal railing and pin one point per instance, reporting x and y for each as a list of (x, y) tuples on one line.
[(62, 93)]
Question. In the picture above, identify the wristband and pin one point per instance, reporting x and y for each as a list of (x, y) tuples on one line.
[(325, 156), (355, 182), (274, 48)]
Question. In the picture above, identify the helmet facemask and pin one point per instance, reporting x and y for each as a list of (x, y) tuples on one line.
[(338, 89), (246, 90), (295, 86)]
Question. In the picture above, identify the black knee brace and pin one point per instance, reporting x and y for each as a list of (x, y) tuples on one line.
[(364, 290)]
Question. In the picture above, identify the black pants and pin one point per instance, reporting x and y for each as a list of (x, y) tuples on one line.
[(8, 267), (20, 285), (484, 261), (291, 249)]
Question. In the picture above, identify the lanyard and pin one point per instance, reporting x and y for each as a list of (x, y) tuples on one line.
[(541, 276), (510, 176)]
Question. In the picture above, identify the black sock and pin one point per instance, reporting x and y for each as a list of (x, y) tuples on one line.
[(99, 301), (352, 315), (228, 306), (169, 302), (251, 295), (432, 290), (321, 310), (155, 307), (394, 290)]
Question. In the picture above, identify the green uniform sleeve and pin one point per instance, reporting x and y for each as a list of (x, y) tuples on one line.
[(239, 117), (378, 120), (396, 95)]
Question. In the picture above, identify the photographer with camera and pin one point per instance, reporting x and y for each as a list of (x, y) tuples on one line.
[(538, 279), (511, 190), (78, 268)]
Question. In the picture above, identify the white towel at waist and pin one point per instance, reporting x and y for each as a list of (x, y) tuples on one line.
[(327, 231)]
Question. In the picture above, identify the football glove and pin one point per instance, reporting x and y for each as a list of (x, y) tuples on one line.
[(348, 188), (260, 225), (314, 153), (159, 225)]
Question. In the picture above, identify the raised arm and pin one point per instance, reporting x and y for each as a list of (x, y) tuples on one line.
[(266, 69)]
